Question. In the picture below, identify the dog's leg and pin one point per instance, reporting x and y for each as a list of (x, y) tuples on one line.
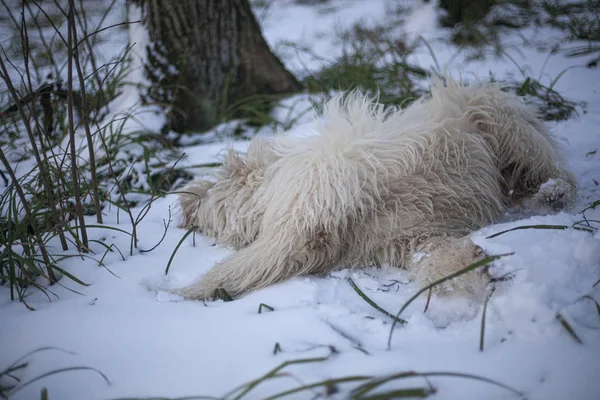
[(436, 257), (270, 259)]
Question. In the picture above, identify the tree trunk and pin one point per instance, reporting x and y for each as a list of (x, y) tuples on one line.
[(205, 55), (460, 11)]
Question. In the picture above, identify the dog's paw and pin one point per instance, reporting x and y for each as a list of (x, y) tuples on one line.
[(450, 258), (199, 290), (212, 286), (473, 282), (553, 196)]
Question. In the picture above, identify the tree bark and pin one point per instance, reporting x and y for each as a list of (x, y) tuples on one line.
[(205, 55), (465, 10)]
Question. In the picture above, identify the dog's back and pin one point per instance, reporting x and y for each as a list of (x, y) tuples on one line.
[(375, 185)]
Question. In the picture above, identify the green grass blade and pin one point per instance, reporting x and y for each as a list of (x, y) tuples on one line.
[(8, 371), (561, 73), (112, 228), (325, 383), (568, 328), (361, 390), (188, 233), (373, 304), (594, 300), (171, 398), (38, 351), (556, 227), (591, 206), (474, 378), (222, 294), (265, 306), (410, 393), (482, 334), (433, 56), (58, 371), (272, 374), (70, 276)]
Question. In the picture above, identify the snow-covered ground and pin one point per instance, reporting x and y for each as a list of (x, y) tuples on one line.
[(152, 344)]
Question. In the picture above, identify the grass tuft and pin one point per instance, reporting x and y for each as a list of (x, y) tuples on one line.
[(550, 105), (11, 384), (65, 159), (373, 60)]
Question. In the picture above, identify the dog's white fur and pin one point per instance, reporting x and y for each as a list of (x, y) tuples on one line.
[(377, 187)]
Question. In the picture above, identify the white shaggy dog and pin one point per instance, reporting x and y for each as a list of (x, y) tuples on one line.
[(377, 187)]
